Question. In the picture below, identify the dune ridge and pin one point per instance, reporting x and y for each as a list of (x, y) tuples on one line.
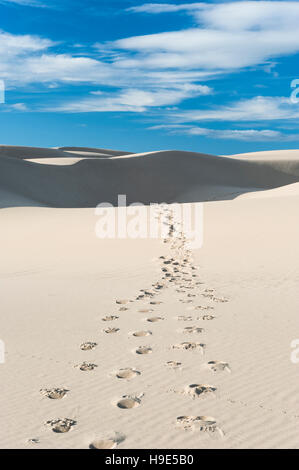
[(84, 177)]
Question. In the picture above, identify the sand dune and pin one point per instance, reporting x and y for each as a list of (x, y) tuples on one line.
[(146, 343), (165, 176)]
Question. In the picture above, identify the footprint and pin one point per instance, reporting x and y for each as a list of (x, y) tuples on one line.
[(199, 423), (128, 402), (87, 366), (158, 286), (220, 299), (147, 293), (199, 390), (218, 366), (174, 364), (110, 318), (156, 302), (122, 301), (215, 299), (140, 297), (107, 442), (127, 374), (61, 425), (154, 319), (88, 346), (144, 350), (200, 307), (190, 346), (111, 330), (54, 393), (207, 317), (123, 309), (33, 441), (146, 310), (185, 318), (139, 334), (192, 329)]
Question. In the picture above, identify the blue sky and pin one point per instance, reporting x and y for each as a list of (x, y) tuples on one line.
[(209, 77)]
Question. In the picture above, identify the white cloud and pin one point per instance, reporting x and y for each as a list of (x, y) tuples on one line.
[(30, 3), (204, 49), (230, 35), (135, 100), (259, 108), (255, 135), (244, 134), (164, 69), (12, 45), (19, 107), (164, 7), (244, 15)]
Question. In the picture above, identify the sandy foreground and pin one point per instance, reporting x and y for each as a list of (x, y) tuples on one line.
[(148, 343)]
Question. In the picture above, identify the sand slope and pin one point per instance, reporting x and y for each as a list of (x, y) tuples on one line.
[(69, 298), (166, 176)]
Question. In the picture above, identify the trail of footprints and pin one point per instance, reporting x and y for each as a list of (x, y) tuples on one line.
[(178, 271)]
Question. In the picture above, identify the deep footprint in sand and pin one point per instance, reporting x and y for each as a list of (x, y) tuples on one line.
[(140, 334), (199, 390), (110, 331), (186, 346), (107, 442), (145, 310), (61, 425), (127, 374), (199, 423), (122, 301), (154, 319), (218, 366), (156, 302), (144, 350), (87, 366), (123, 309), (110, 318), (127, 402), (88, 346), (54, 393)]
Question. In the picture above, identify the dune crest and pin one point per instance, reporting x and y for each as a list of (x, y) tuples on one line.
[(83, 177)]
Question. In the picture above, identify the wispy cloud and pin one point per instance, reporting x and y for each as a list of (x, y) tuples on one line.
[(259, 108), (140, 73), (165, 8), (135, 100), (30, 3), (239, 15), (255, 135), (229, 36)]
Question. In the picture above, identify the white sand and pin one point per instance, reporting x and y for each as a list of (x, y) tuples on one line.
[(58, 281)]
